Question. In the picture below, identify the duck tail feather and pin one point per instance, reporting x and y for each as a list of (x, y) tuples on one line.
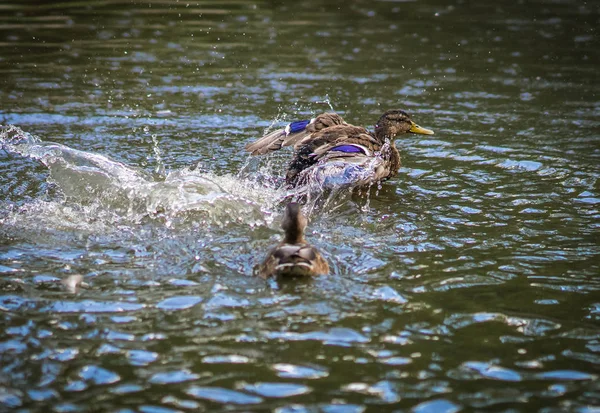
[(268, 143), (273, 141)]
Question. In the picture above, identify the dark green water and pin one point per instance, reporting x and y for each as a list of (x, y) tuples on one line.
[(467, 283)]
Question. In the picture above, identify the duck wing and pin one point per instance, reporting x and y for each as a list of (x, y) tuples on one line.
[(340, 141), (294, 133)]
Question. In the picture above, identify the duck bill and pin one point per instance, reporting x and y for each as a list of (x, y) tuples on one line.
[(414, 128)]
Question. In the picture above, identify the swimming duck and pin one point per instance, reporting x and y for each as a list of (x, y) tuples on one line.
[(293, 256), (332, 152)]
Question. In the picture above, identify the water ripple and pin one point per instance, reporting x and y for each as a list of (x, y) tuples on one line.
[(179, 302), (178, 376), (221, 395), (437, 406), (91, 306), (98, 375), (335, 336), (277, 390), (299, 372)]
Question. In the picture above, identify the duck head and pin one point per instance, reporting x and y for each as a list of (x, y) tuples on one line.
[(396, 122)]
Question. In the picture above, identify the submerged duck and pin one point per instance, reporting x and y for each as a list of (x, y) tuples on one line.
[(293, 257), (332, 152)]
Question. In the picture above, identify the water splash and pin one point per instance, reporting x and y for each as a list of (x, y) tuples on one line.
[(329, 182), (326, 101), (98, 186), (160, 165)]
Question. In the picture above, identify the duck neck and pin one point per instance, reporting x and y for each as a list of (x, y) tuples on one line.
[(384, 136), (294, 235), (379, 133)]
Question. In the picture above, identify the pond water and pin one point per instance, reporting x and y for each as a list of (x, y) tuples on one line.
[(469, 282)]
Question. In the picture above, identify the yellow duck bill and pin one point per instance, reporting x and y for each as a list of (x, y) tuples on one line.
[(414, 128)]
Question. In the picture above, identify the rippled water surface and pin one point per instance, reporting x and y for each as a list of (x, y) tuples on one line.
[(469, 282)]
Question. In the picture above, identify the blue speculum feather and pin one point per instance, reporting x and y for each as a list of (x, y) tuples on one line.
[(298, 126), (348, 149)]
